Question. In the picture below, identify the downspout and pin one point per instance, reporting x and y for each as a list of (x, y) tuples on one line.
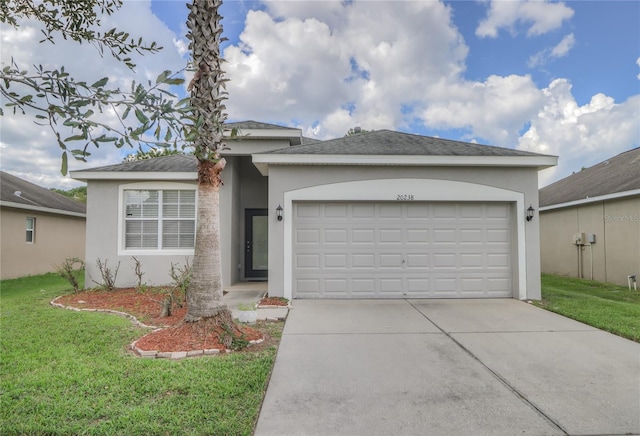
[(591, 253)]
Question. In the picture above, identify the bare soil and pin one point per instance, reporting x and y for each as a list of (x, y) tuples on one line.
[(176, 335)]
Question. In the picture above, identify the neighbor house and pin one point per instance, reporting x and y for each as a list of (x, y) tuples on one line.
[(378, 215), (590, 221), (39, 228)]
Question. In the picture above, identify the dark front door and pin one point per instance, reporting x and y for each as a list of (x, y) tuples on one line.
[(256, 246)]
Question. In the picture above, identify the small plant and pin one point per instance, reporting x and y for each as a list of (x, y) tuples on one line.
[(68, 270), (246, 307), (231, 340), (176, 294), (138, 271), (181, 277), (109, 276)]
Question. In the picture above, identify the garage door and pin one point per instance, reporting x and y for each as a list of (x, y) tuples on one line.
[(401, 250)]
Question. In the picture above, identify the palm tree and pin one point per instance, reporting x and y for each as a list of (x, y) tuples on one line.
[(204, 295)]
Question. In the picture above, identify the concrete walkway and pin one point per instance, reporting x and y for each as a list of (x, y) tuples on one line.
[(448, 367), (249, 293)]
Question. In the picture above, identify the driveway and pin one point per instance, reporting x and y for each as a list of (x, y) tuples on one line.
[(448, 367)]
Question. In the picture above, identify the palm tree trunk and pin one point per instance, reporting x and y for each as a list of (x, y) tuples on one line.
[(204, 295)]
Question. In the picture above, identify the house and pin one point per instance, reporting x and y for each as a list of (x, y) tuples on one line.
[(590, 221), (378, 215), (40, 229)]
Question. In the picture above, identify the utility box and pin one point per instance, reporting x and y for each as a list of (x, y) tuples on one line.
[(591, 238), (579, 239)]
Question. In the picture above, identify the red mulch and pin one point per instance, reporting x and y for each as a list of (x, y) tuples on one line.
[(146, 307), (273, 301)]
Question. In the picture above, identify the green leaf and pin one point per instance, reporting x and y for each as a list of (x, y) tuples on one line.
[(141, 116), (104, 138), (162, 76), (63, 169), (100, 83)]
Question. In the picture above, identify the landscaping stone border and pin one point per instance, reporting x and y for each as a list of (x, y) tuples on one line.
[(130, 317), (154, 354), (143, 353)]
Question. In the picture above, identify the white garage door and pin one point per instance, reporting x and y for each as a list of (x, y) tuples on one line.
[(401, 250)]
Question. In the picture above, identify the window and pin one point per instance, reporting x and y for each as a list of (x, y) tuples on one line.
[(31, 230), (159, 219)]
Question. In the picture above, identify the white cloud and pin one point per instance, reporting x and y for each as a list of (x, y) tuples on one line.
[(352, 69), (560, 50), (539, 16), (30, 151), (564, 46), (494, 110), (638, 63), (581, 135), (328, 66)]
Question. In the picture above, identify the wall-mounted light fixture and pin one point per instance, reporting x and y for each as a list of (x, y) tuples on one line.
[(279, 212), (530, 213)]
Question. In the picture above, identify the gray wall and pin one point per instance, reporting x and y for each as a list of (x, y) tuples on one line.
[(614, 255), (102, 241), (283, 179), (244, 188), (230, 221)]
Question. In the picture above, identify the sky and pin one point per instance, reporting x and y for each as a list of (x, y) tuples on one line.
[(557, 78)]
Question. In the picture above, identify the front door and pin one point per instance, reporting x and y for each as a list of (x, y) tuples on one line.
[(256, 247)]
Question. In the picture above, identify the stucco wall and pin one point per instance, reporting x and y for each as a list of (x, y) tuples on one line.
[(230, 221), (284, 179), (57, 238), (102, 241), (614, 255), (244, 187)]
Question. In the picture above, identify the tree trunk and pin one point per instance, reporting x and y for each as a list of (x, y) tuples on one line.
[(204, 296)]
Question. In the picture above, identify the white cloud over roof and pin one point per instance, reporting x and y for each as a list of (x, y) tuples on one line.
[(326, 67)]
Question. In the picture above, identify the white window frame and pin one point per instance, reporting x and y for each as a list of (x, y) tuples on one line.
[(149, 186), (32, 230)]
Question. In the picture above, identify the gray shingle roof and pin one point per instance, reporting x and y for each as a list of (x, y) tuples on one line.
[(618, 174), (16, 190), (177, 163), (250, 124), (387, 142), (307, 141)]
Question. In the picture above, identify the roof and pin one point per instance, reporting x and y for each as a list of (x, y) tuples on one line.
[(386, 147), (18, 193), (388, 142), (250, 124), (617, 175), (185, 163)]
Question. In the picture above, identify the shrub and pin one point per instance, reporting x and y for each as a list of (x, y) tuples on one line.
[(68, 270), (109, 276)]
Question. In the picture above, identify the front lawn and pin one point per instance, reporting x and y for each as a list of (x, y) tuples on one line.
[(609, 307), (66, 372)]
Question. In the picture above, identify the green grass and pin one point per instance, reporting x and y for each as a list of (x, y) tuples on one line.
[(609, 307), (66, 372)]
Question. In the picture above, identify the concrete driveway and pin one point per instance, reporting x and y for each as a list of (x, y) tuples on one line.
[(448, 367)]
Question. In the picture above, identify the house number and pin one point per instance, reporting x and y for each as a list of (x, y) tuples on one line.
[(404, 197)]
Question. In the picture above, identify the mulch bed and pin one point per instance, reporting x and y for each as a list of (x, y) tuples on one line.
[(146, 307), (273, 301)]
